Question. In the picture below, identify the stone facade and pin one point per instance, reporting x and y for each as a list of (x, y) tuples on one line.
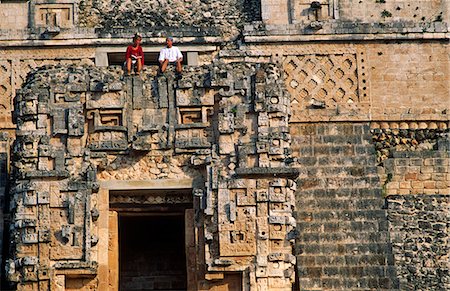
[(306, 146)]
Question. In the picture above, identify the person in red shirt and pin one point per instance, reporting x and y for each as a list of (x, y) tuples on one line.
[(135, 55)]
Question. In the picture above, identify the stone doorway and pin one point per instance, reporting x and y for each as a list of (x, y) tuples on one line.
[(152, 252), (149, 245)]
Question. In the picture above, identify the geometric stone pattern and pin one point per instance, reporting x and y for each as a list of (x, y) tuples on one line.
[(87, 118), (327, 79), (5, 87)]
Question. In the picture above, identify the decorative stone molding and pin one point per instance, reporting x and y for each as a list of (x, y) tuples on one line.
[(413, 125)]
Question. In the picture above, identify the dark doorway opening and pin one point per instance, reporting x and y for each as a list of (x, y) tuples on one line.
[(152, 252)]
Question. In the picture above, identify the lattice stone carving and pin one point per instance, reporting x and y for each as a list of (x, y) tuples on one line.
[(327, 80), (5, 86)]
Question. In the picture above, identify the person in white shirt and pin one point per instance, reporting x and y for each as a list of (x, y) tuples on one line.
[(170, 55)]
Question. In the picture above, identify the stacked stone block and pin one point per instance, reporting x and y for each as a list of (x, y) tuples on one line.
[(417, 173), (343, 239), (414, 161)]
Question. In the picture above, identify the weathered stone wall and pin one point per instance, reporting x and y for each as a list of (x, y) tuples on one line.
[(386, 11), (409, 81), (329, 17), (13, 16), (174, 17), (419, 228), (4, 159), (346, 170), (413, 161), (224, 128), (414, 170)]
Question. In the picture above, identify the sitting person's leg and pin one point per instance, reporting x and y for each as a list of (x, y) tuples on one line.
[(129, 66), (179, 67), (164, 65), (139, 66)]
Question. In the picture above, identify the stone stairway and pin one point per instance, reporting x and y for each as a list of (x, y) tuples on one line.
[(343, 241)]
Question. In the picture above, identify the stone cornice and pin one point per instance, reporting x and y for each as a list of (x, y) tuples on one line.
[(277, 38)]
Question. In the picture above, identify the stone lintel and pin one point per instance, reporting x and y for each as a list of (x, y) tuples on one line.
[(76, 268), (163, 184)]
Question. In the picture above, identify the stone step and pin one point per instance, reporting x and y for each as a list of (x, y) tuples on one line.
[(363, 283), (341, 237), (355, 261), (341, 160), (321, 148), (342, 226), (342, 193), (349, 253), (348, 238), (347, 171), (334, 254), (337, 182), (340, 205), (339, 261), (332, 139), (342, 215), (346, 271)]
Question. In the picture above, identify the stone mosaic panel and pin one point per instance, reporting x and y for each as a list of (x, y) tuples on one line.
[(90, 125)]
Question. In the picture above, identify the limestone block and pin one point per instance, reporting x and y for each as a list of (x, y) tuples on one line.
[(43, 197), (277, 194), (277, 231), (29, 198), (261, 272), (75, 120), (262, 195), (59, 124), (245, 197), (262, 228), (226, 122)]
